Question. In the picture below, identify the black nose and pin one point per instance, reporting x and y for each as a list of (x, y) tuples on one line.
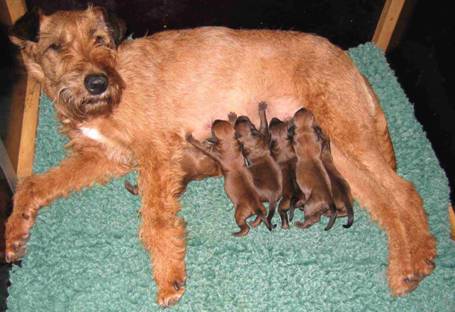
[(96, 83)]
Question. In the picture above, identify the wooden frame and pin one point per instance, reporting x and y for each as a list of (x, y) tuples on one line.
[(20, 141), (23, 117), (387, 22)]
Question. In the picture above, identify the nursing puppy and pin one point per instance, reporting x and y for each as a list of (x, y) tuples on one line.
[(283, 153), (311, 175), (238, 182), (264, 169), (341, 190)]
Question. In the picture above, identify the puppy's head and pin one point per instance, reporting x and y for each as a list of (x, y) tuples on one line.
[(246, 133), (73, 55), (303, 119), (280, 138), (222, 130)]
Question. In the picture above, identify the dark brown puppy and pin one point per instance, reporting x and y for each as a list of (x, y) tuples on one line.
[(341, 190), (238, 182), (283, 153), (195, 164), (311, 175), (255, 146)]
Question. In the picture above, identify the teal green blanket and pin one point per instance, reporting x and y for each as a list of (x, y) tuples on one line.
[(84, 253)]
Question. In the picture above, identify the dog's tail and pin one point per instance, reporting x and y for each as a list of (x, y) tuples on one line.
[(332, 219)]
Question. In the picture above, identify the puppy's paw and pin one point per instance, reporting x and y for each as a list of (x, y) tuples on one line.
[(262, 106), (232, 117), (189, 137), (133, 189)]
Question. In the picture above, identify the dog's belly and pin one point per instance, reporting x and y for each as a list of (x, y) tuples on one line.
[(227, 71), (282, 107)]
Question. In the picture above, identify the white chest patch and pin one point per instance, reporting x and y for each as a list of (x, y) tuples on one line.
[(93, 134)]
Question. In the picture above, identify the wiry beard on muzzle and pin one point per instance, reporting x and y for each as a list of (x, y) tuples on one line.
[(80, 108)]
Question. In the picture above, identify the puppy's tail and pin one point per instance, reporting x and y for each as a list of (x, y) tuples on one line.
[(332, 219), (350, 211), (266, 221)]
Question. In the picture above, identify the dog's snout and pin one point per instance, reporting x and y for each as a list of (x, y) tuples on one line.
[(96, 83)]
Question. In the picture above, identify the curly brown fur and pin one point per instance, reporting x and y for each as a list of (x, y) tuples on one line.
[(238, 182), (264, 169), (311, 175), (180, 81)]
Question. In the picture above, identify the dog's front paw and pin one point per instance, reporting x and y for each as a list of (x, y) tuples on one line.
[(15, 250), (15, 243), (17, 232), (169, 296)]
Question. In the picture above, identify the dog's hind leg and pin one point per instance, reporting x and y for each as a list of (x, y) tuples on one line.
[(79, 170), (391, 201)]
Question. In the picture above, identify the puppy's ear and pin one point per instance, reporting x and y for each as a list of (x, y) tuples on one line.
[(117, 26), (26, 29), (291, 129)]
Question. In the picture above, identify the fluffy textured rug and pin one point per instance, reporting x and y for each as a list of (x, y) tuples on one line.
[(84, 253)]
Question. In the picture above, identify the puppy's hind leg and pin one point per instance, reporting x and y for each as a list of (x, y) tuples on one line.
[(240, 218), (283, 208), (350, 211), (272, 208), (333, 217)]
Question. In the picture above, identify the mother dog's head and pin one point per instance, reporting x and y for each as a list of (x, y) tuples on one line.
[(73, 55)]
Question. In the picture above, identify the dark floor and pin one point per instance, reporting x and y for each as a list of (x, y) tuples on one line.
[(421, 52)]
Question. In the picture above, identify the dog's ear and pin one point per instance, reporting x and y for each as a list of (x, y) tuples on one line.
[(117, 26), (25, 34), (26, 28)]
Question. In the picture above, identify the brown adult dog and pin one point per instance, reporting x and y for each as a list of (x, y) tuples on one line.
[(341, 191), (264, 169), (238, 182), (311, 175), (283, 153), (107, 95)]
